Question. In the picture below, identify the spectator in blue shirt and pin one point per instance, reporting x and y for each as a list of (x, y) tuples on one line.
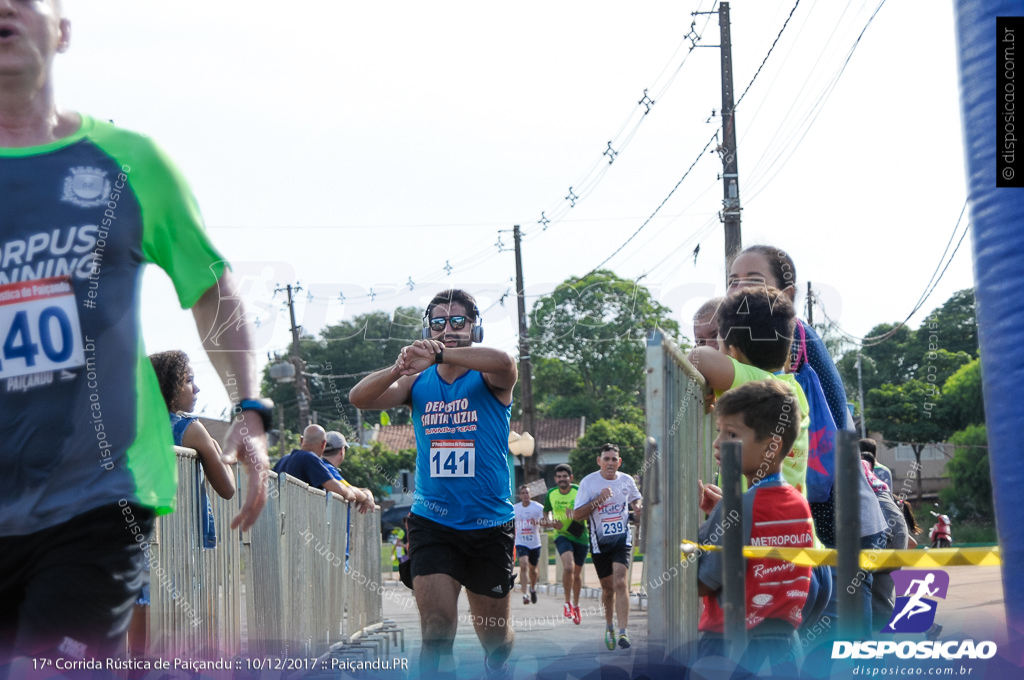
[(306, 464)]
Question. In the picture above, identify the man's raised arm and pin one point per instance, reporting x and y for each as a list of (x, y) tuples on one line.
[(497, 366), (383, 389)]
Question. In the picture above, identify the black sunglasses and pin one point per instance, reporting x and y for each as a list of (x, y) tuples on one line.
[(457, 323)]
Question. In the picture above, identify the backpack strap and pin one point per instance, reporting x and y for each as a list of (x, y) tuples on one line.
[(801, 353)]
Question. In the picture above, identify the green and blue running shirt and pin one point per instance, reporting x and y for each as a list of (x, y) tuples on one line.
[(84, 424), (561, 505)]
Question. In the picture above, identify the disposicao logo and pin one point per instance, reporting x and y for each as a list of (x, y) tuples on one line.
[(907, 649), (914, 611)]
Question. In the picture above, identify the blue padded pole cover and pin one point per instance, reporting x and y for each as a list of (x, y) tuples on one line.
[(997, 219)]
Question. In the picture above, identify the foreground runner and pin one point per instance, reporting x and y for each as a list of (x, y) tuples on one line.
[(85, 441), (571, 538), (605, 497), (460, 527)]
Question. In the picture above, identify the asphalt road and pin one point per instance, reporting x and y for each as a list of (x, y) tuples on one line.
[(551, 647), (547, 645)]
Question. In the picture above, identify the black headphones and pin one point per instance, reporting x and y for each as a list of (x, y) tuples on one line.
[(475, 335)]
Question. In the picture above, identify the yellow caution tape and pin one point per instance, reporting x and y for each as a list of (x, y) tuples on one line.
[(870, 560)]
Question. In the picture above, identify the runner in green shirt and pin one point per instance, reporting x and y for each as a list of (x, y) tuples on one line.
[(571, 537)]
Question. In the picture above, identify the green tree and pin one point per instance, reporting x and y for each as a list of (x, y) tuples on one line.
[(836, 344), (887, 362), (937, 366), (946, 340), (283, 445), (376, 467), (339, 358), (587, 339), (970, 494), (963, 402), (627, 436), (907, 413), (953, 326)]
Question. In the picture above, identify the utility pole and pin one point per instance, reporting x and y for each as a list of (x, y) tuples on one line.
[(730, 171), (530, 471), (301, 390), (810, 305), (280, 429), (860, 388)]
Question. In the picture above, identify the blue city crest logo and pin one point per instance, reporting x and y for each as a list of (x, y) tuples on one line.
[(914, 611)]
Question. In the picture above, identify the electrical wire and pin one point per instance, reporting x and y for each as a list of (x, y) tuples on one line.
[(586, 186), (811, 116), (765, 60), (660, 205), (879, 339)]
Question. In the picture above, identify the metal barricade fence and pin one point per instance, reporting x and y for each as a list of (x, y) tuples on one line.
[(337, 527), (279, 588), (679, 453)]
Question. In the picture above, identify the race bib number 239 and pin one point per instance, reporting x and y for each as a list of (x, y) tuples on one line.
[(39, 327)]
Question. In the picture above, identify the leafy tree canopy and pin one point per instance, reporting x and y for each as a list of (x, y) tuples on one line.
[(918, 354), (343, 354), (952, 327), (377, 467), (906, 412), (962, 401), (587, 340), (970, 493), (888, 362), (627, 436), (938, 366)]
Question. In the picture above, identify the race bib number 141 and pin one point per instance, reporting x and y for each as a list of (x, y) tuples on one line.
[(453, 458), (39, 327)]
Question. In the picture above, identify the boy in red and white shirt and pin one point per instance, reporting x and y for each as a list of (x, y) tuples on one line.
[(764, 417)]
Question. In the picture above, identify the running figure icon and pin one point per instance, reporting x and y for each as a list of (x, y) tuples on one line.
[(914, 605)]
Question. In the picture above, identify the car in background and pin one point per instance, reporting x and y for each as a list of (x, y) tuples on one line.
[(391, 518)]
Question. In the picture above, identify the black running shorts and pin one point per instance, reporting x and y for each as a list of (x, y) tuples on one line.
[(68, 590), (480, 559), (611, 552)]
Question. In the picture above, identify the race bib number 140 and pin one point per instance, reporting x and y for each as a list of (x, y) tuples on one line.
[(453, 458), (39, 328)]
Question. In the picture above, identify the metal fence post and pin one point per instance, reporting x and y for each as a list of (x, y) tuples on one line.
[(849, 581), (734, 589)]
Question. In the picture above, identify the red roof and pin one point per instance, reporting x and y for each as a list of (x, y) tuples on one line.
[(397, 437), (554, 435), (551, 435)]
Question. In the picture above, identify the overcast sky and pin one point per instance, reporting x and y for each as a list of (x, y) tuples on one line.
[(358, 147)]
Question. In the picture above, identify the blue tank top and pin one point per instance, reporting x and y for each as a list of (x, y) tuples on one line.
[(462, 473), (178, 426)]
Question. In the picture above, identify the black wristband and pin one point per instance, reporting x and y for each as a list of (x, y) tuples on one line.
[(439, 356), (264, 407)]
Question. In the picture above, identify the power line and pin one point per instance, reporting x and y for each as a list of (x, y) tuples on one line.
[(879, 339), (812, 113), (660, 205), (765, 60), (581, 189), (749, 85), (804, 87)]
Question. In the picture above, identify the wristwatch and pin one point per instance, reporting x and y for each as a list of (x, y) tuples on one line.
[(439, 357), (264, 407)]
